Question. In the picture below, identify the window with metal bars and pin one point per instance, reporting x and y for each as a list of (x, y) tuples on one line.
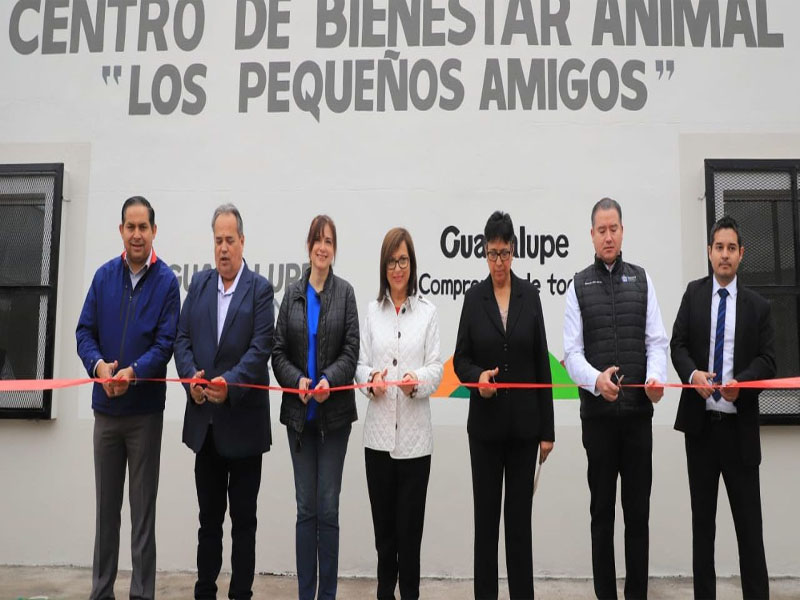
[(30, 226), (762, 195)]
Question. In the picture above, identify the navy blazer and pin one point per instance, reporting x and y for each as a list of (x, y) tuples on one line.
[(519, 351), (753, 358), (241, 424)]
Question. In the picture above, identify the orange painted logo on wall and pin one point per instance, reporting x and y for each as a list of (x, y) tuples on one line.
[(451, 387)]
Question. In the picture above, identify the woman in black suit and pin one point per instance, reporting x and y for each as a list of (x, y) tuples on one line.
[(501, 338)]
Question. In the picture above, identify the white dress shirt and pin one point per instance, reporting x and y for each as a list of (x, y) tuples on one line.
[(137, 276), (584, 374), (722, 405), (224, 298), (404, 342)]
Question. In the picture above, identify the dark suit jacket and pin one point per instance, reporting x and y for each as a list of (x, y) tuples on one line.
[(241, 423), (753, 358), (521, 354)]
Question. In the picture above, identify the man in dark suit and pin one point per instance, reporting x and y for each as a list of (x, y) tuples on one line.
[(723, 334), (225, 336)]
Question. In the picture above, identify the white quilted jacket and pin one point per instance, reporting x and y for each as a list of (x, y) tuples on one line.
[(404, 342)]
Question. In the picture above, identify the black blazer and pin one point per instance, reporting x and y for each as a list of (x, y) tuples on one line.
[(241, 423), (521, 354), (753, 358)]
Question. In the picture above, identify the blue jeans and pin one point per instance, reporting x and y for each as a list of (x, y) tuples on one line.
[(318, 463)]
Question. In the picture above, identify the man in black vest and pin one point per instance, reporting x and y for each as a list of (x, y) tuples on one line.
[(613, 335), (723, 334)]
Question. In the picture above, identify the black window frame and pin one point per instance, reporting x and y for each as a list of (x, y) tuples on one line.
[(786, 166), (56, 171)]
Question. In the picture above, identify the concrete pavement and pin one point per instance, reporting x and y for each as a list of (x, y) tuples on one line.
[(72, 583)]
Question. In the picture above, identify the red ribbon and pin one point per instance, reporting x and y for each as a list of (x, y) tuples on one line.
[(38, 385), (786, 383)]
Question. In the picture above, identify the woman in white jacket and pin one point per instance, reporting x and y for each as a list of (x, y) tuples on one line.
[(399, 342)]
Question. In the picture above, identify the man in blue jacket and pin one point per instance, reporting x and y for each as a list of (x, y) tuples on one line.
[(225, 337), (126, 331)]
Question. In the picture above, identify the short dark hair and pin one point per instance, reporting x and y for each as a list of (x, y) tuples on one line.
[(139, 201), (391, 242), (499, 227), (317, 230), (229, 209), (607, 204), (725, 222)]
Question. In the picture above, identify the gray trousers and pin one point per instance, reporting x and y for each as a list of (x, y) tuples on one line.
[(132, 441)]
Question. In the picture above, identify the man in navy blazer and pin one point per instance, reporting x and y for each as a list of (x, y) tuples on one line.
[(723, 334), (225, 336)]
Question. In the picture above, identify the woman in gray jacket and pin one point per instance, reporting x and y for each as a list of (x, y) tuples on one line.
[(316, 348)]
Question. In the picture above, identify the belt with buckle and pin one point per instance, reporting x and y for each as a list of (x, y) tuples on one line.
[(716, 415)]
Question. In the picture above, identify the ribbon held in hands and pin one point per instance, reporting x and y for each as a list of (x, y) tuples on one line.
[(785, 383), (39, 385)]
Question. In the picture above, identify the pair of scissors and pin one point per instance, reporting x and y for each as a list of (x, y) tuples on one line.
[(619, 379)]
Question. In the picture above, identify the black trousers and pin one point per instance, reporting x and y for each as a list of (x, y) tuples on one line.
[(716, 451), (397, 492), (514, 460), (218, 479), (620, 447)]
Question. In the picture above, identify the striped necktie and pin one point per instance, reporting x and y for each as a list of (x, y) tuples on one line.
[(719, 340)]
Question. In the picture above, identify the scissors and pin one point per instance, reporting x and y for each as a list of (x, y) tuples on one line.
[(619, 379)]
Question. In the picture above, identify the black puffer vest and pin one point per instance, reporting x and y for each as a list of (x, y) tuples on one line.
[(613, 308)]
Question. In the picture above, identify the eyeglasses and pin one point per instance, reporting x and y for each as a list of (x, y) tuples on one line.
[(393, 263), (503, 255)]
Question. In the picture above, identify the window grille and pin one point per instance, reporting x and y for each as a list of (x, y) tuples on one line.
[(30, 226), (762, 195)]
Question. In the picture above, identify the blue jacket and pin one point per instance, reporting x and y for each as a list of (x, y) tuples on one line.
[(135, 327), (241, 424)]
